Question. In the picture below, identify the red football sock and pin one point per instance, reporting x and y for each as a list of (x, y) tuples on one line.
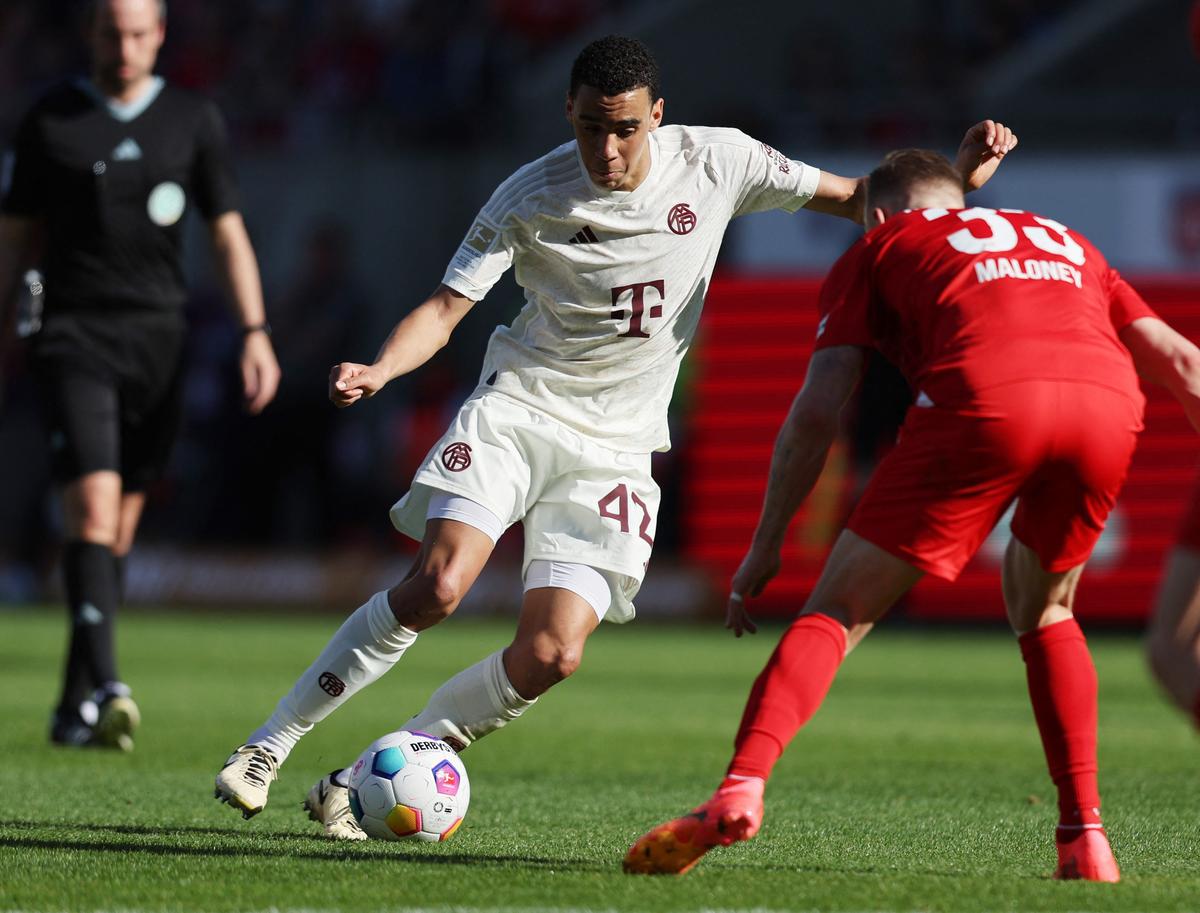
[(1062, 687), (787, 692)]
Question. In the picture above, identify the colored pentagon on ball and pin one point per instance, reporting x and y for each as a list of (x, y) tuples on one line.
[(388, 762), (404, 821), (355, 806), (449, 832), (446, 777)]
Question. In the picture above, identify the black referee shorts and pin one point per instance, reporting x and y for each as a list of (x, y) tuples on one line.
[(111, 406)]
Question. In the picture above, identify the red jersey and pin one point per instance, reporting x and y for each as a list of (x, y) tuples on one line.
[(964, 300)]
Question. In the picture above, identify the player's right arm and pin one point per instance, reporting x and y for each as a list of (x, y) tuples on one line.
[(412, 342), (1163, 356), (800, 452)]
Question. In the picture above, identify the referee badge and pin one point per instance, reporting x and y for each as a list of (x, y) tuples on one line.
[(165, 204)]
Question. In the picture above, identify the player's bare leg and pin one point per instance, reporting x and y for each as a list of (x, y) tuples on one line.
[(859, 583), (369, 643), (547, 648), (1062, 688), (1173, 641), (92, 508)]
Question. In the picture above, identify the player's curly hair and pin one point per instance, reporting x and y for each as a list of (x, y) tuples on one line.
[(615, 65), (903, 169)]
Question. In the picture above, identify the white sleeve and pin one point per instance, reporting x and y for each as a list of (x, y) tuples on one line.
[(771, 180), (485, 253)]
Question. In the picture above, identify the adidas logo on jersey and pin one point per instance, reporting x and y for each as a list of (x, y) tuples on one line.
[(586, 236), (127, 151)]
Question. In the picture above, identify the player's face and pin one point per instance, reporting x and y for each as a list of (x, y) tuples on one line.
[(126, 36), (612, 133)]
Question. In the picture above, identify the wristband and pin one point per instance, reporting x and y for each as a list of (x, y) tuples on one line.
[(263, 327)]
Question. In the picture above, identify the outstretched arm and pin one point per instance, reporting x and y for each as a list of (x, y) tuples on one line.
[(1163, 356), (982, 149), (412, 342), (800, 451), (979, 155)]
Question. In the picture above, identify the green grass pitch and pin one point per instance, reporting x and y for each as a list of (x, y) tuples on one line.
[(920, 786)]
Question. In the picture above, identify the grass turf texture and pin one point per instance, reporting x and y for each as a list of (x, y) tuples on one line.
[(919, 786)]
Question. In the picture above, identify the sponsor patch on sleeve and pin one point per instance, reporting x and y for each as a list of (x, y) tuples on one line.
[(479, 241)]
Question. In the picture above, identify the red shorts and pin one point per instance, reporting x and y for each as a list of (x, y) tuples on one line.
[(1189, 530), (1061, 449)]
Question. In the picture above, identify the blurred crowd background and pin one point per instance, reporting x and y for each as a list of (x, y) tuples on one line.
[(368, 132)]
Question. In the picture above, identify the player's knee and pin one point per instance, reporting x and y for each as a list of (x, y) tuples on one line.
[(547, 662), (441, 589), (93, 524), (425, 598), (562, 662)]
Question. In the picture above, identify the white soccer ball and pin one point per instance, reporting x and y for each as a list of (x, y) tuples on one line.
[(409, 784)]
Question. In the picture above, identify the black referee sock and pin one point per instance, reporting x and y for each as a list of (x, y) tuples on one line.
[(119, 569), (90, 574)]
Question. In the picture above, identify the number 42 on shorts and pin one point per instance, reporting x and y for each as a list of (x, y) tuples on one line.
[(620, 497)]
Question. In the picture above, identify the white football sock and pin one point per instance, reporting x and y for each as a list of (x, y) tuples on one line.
[(364, 647), (473, 703)]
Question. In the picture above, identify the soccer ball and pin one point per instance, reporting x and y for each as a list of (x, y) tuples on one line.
[(409, 784)]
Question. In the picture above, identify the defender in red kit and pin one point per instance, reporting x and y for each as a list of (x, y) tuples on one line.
[(1020, 344)]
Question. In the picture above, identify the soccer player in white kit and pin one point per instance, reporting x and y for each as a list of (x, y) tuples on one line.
[(613, 237)]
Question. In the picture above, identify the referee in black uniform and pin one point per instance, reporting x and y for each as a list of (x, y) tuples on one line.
[(103, 172)]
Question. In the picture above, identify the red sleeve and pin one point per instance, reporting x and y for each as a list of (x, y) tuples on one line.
[(845, 299), (1124, 304)]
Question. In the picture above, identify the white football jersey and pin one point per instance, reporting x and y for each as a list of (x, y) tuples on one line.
[(615, 280)]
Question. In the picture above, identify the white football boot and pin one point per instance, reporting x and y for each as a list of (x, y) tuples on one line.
[(329, 803), (246, 778)]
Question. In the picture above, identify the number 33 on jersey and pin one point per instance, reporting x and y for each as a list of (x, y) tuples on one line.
[(962, 300)]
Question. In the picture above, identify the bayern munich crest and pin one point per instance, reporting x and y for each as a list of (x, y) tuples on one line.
[(331, 684), (457, 456), (681, 219)]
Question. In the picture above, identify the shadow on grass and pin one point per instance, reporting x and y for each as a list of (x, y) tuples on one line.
[(165, 841), (96, 838)]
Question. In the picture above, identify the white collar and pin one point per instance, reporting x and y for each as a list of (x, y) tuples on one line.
[(125, 111)]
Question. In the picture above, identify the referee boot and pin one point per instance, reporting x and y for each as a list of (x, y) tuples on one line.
[(69, 729), (118, 717), (734, 813)]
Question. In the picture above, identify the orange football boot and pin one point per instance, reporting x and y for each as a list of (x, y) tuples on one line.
[(734, 813), (1085, 854)]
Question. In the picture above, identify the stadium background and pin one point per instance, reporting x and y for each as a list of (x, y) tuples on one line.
[(368, 132)]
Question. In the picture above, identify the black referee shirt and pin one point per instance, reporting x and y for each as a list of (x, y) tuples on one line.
[(113, 188)]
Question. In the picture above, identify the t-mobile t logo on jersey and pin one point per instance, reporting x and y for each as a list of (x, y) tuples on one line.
[(638, 306)]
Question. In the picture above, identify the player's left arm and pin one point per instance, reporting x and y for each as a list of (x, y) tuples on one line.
[(800, 451), (982, 149), (239, 270)]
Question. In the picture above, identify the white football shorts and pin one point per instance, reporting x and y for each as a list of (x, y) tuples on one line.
[(580, 502)]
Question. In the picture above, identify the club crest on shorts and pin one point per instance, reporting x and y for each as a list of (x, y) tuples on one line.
[(681, 219), (457, 456), (331, 684)]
